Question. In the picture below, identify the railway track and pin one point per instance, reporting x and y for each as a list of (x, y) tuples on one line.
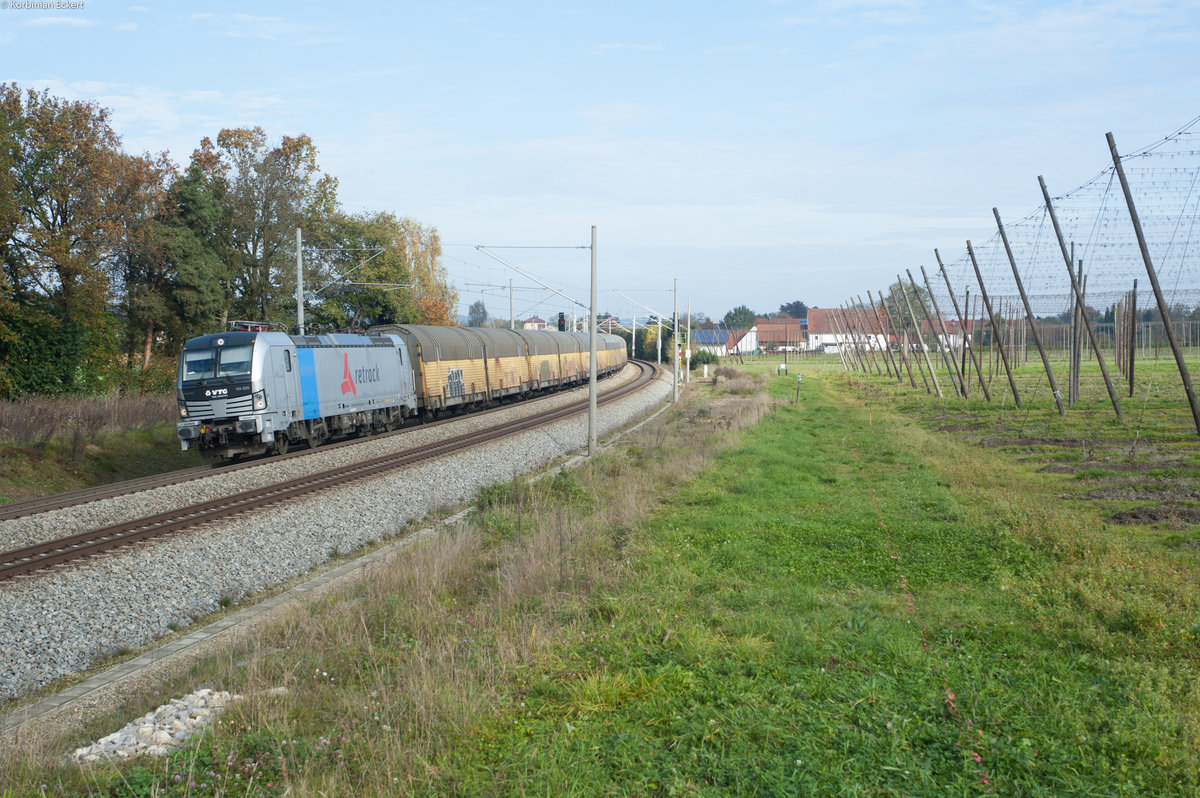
[(74, 498), (105, 539)]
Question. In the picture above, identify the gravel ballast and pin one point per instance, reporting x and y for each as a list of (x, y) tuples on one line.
[(59, 624)]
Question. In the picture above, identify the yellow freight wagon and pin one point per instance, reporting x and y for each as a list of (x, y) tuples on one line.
[(507, 361), (452, 366), (545, 358)]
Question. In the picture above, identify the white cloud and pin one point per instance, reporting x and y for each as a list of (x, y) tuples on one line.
[(127, 26), (732, 48), (610, 47), (616, 114), (70, 22)]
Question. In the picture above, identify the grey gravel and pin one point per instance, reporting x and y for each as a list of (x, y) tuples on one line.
[(60, 623)]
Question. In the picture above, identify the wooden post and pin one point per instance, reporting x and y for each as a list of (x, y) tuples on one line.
[(851, 353), (853, 336), (883, 355), (969, 343), (920, 338), (1062, 411), (1112, 393), (1132, 334), (1117, 334), (946, 334), (862, 308), (905, 346), (963, 324), (929, 317), (860, 318), (899, 326), (987, 303), (1158, 295), (840, 348), (962, 385), (886, 336)]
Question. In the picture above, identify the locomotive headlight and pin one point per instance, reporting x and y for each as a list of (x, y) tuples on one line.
[(260, 400), (183, 412)]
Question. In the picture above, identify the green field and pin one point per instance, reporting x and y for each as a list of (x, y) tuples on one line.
[(846, 598)]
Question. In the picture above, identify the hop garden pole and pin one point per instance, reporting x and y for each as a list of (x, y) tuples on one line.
[(932, 329), (1132, 334), (1087, 322), (891, 323), (987, 303), (1037, 339), (1169, 328), (968, 344), (864, 335), (920, 338), (886, 338), (962, 386)]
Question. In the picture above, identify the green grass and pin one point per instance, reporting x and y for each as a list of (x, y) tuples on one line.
[(27, 472), (827, 612), (846, 602)]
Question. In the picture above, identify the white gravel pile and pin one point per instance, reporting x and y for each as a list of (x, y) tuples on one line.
[(58, 624), (159, 732)]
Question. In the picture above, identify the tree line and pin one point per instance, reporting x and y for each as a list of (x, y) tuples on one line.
[(112, 260)]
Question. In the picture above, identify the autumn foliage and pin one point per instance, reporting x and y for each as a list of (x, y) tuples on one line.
[(111, 260)]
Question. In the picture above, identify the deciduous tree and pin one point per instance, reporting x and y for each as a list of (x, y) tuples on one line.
[(740, 318), (477, 314), (270, 191)]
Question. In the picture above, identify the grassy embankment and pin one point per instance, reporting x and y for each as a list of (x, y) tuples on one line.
[(842, 603), (52, 445)]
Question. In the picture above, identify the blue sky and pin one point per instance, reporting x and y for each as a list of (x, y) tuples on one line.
[(760, 152)]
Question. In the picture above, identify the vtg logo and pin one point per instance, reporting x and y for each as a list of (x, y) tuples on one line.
[(215, 392)]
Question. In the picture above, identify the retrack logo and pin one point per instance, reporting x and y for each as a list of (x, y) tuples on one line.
[(348, 386)]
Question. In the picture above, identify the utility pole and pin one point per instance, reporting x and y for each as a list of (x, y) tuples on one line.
[(299, 282), (657, 316), (512, 320), (592, 363), (675, 346)]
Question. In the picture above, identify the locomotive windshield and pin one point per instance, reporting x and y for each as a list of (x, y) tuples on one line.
[(224, 361)]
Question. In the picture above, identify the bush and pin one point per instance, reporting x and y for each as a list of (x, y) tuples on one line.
[(703, 356)]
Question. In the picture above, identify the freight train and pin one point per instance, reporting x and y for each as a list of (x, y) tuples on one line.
[(254, 391)]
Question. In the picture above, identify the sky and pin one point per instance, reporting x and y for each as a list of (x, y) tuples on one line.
[(758, 152)]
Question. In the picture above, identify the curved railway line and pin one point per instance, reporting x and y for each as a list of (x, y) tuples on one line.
[(105, 539), (74, 498)]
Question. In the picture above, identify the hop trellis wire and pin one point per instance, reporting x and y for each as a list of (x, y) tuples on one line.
[(1022, 272)]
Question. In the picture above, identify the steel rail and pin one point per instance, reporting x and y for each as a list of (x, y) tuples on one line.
[(84, 544), (59, 501)]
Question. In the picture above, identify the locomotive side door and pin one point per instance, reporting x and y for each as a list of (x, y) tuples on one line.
[(283, 370)]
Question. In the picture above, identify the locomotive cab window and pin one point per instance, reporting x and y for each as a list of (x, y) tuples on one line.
[(197, 364), (287, 360), (235, 360), (228, 361)]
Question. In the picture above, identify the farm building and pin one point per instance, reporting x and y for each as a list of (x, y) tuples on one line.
[(723, 342), (782, 335), (829, 328)]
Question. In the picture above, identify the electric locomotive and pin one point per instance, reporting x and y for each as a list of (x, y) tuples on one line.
[(253, 391)]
